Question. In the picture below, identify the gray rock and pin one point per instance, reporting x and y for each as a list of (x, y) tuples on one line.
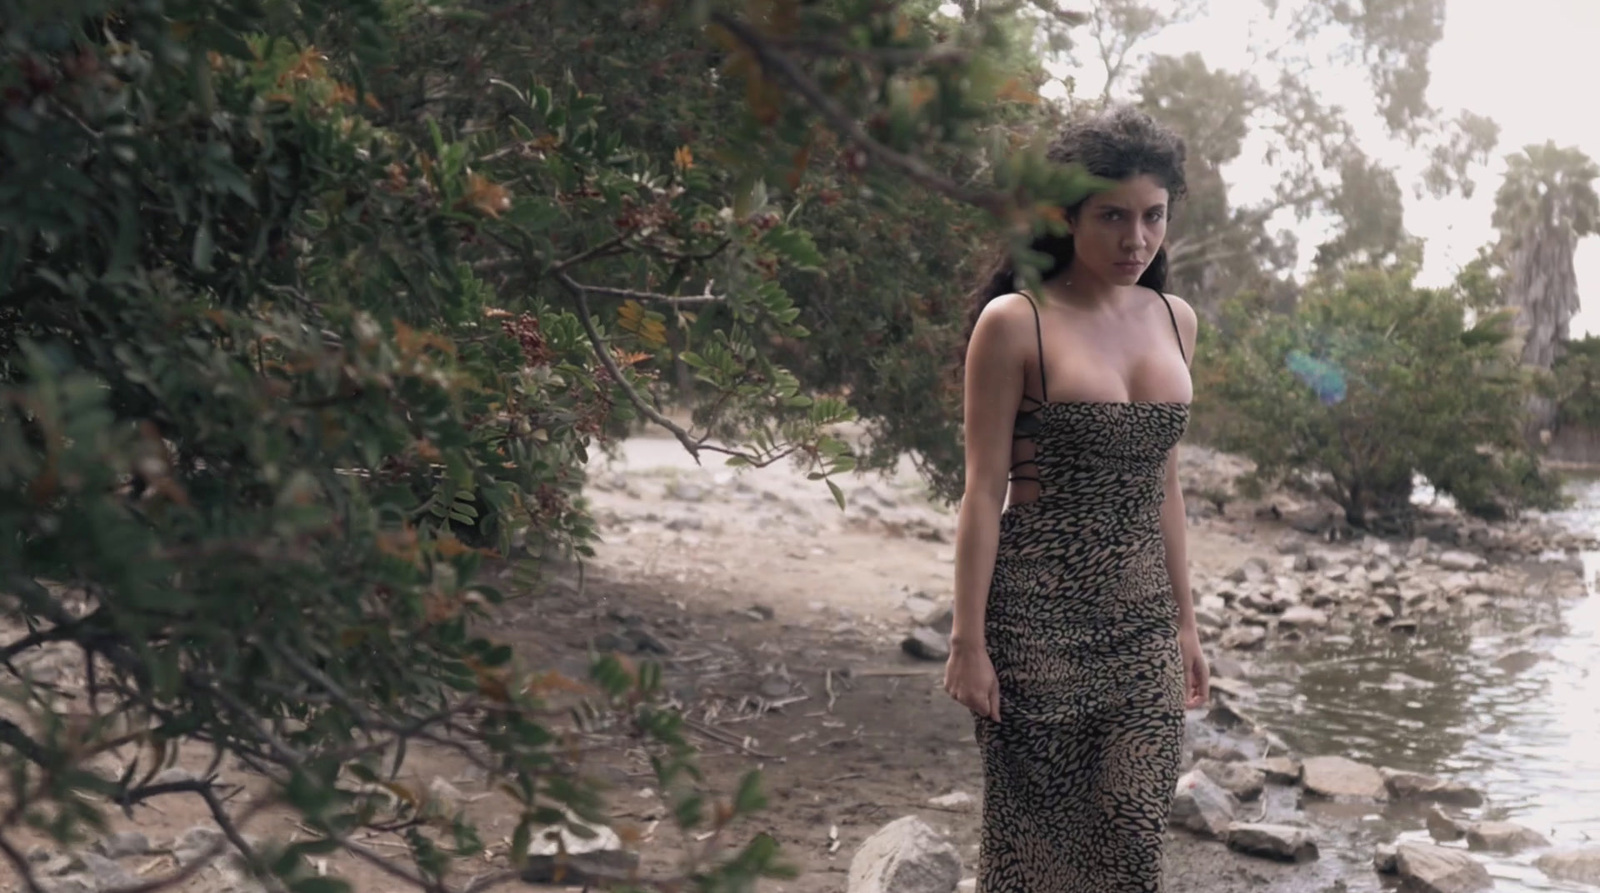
[(235, 880), (1415, 786), (685, 491), (1386, 859), (905, 856), (1504, 837), (1341, 778), (72, 883), (925, 644), (1244, 638), (121, 844), (449, 798), (174, 775), (1226, 667), (1580, 866), (1303, 617), (1252, 570), (1444, 827), (1456, 560), (107, 874), (1284, 843), (604, 868), (194, 843), (1426, 868), (1202, 806), (1209, 618), (940, 620), (1518, 660), (1280, 770), (1237, 689), (1239, 779)]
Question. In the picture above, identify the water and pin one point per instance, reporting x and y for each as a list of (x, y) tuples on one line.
[(1505, 702)]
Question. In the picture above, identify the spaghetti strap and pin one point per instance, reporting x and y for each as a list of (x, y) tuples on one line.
[(1038, 331), (1168, 301)]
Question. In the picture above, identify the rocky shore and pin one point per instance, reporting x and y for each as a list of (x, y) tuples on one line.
[(1245, 789), (815, 635)]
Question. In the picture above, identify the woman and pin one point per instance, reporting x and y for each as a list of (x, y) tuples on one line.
[(1074, 641)]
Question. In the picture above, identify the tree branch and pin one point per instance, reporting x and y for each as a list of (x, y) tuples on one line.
[(12, 735), (1184, 249), (20, 864), (778, 65), (592, 253), (230, 831), (389, 868), (610, 364), (676, 300)]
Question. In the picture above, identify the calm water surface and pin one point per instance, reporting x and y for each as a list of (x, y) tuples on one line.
[(1508, 702)]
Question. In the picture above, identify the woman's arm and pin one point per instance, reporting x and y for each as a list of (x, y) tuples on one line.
[(1174, 530), (993, 391), (994, 379), (1174, 518)]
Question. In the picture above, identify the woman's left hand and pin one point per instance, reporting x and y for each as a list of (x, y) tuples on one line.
[(1196, 673)]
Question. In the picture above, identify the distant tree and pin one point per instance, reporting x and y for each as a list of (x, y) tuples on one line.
[(1546, 203), (1369, 382), (1219, 248)]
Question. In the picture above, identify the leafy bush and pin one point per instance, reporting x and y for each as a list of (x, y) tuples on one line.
[(1574, 384), (1368, 383), (312, 310)]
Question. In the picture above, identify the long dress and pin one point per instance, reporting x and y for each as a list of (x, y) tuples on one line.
[(1081, 627)]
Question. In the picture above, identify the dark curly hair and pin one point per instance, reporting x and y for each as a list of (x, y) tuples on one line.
[(1116, 144)]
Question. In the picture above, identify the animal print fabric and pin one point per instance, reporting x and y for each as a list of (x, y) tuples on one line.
[(1081, 627)]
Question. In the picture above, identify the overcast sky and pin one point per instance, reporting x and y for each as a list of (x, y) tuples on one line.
[(1528, 65)]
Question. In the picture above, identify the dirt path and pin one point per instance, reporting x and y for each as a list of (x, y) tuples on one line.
[(797, 597)]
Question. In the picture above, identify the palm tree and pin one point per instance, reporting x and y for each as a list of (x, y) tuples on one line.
[(1546, 203)]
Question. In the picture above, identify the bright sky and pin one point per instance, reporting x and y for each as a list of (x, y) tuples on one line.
[(1528, 66)]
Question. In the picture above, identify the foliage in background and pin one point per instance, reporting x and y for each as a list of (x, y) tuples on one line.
[(1368, 383), (1574, 384), (309, 311)]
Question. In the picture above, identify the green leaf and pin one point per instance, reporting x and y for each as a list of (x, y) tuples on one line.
[(749, 797), (521, 840), (838, 494), (205, 246), (794, 245)]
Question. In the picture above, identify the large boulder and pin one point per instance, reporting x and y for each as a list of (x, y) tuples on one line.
[(1285, 843), (1425, 868), (1341, 778), (1239, 779), (905, 856), (1415, 786), (1202, 806), (1504, 837), (1580, 866)]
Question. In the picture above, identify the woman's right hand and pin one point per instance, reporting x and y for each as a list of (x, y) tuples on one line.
[(969, 678)]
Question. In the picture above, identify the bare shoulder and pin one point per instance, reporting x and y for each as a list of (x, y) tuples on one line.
[(1188, 322), (1004, 320)]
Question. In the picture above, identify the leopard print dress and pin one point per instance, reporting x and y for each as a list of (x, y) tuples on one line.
[(1081, 627)]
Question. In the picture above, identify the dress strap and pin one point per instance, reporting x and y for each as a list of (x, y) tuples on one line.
[(1038, 332), (1174, 316)]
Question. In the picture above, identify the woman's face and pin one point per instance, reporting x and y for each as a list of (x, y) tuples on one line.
[(1116, 232)]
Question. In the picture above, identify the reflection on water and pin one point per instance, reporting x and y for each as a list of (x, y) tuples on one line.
[(1506, 702)]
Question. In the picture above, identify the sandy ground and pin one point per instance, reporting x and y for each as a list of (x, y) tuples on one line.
[(781, 617)]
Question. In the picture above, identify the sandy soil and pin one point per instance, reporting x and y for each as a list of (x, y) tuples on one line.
[(781, 617)]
